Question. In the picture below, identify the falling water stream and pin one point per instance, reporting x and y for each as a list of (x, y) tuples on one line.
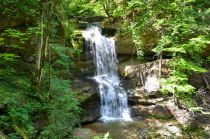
[(113, 97)]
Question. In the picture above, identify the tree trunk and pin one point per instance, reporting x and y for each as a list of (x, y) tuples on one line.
[(42, 50), (39, 55)]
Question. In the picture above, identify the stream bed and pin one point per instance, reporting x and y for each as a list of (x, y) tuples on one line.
[(141, 128), (118, 129)]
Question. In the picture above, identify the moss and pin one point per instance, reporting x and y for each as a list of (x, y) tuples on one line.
[(81, 96)]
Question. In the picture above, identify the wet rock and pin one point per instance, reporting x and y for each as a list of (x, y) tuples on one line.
[(90, 109), (84, 86)]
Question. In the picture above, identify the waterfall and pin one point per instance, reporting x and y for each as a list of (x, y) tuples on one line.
[(113, 97)]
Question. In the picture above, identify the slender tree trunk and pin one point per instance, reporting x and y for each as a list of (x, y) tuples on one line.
[(106, 7), (39, 55), (42, 50), (160, 63)]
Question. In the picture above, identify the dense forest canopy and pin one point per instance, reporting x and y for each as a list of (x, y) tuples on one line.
[(37, 51)]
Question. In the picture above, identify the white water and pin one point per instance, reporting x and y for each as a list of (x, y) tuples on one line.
[(113, 96)]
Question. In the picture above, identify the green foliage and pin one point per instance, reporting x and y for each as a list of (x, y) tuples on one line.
[(62, 59), (58, 102), (21, 106), (182, 32), (208, 59), (62, 106), (82, 8), (63, 111), (177, 83), (15, 104), (8, 57), (172, 85), (61, 55), (15, 9), (137, 41), (14, 44), (183, 65), (174, 50), (13, 33), (181, 28), (199, 109), (114, 8)]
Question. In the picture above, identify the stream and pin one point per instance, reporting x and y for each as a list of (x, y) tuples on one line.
[(115, 120), (150, 128)]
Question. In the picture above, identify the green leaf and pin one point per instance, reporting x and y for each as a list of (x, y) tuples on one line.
[(8, 56), (208, 58), (174, 50), (183, 64)]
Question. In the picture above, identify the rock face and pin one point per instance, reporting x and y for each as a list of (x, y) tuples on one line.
[(91, 109), (135, 76), (183, 116), (88, 95), (141, 83), (124, 45), (146, 105)]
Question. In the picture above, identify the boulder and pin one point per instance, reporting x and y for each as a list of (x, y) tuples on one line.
[(90, 109), (124, 45)]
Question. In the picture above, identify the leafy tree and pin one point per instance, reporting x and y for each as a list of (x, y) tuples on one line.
[(32, 88), (182, 32)]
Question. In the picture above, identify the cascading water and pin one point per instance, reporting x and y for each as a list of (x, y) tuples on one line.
[(113, 97)]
